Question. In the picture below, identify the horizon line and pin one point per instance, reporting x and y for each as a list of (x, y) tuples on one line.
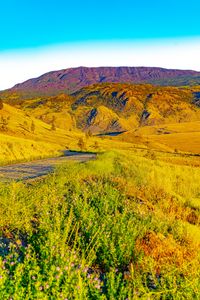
[(23, 64)]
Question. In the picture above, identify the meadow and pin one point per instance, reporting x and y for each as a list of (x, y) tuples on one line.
[(125, 226)]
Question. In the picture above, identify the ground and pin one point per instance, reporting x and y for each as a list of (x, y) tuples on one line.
[(124, 225)]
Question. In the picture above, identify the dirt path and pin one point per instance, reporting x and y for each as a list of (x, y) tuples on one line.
[(38, 168)]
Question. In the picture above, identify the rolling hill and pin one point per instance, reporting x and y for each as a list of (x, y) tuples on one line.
[(114, 107)]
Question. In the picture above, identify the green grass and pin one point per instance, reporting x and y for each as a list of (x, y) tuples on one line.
[(115, 228)]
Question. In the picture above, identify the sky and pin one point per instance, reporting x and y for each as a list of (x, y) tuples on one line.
[(37, 36)]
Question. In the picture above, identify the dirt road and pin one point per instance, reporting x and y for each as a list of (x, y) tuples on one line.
[(38, 168)]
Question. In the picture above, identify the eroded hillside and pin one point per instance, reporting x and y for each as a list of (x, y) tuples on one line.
[(136, 113)]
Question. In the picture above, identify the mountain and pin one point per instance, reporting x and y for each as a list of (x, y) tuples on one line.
[(71, 80)]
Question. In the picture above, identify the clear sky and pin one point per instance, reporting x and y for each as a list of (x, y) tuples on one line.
[(105, 31)]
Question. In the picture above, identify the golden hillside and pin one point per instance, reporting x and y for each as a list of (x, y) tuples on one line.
[(163, 118)]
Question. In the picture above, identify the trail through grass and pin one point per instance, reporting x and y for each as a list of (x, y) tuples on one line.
[(121, 227)]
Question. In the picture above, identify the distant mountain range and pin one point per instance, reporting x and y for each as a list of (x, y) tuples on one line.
[(73, 79)]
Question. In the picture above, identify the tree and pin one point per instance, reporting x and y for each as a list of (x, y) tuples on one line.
[(32, 127), (4, 123), (88, 134), (1, 104), (81, 144), (96, 145), (53, 126)]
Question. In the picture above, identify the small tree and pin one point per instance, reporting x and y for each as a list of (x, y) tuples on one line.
[(53, 126), (88, 134), (33, 127), (4, 123), (1, 104), (96, 145), (175, 150), (150, 154), (81, 144)]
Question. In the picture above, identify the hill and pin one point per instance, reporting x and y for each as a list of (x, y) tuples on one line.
[(73, 79), (25, 137), (152, 116), (115, 107)]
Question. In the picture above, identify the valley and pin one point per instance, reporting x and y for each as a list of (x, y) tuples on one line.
[(99, 186)]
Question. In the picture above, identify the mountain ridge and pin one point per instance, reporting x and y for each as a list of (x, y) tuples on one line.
[(72, 79)]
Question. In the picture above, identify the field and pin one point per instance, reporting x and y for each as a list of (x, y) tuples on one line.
[(125, 226)]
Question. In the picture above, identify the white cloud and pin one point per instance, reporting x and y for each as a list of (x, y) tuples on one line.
[(20, 65)]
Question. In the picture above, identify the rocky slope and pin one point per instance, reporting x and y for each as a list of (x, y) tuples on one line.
[(116, 107)]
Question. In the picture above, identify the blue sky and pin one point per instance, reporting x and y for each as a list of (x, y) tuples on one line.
[(31, 23), (33, 28)]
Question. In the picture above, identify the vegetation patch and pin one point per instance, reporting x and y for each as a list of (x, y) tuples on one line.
[(120, 227)]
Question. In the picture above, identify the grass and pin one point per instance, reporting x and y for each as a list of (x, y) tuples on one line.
[(19, 143), (125, 226)]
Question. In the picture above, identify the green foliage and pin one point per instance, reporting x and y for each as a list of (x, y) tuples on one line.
[(97, 230)]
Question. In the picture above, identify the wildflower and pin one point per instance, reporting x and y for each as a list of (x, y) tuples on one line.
[(47, 286), (1, 276), (98, 286), (12, 263), (58, 268), (85, 270), (18, 242), (41, 288), (33, 277)]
